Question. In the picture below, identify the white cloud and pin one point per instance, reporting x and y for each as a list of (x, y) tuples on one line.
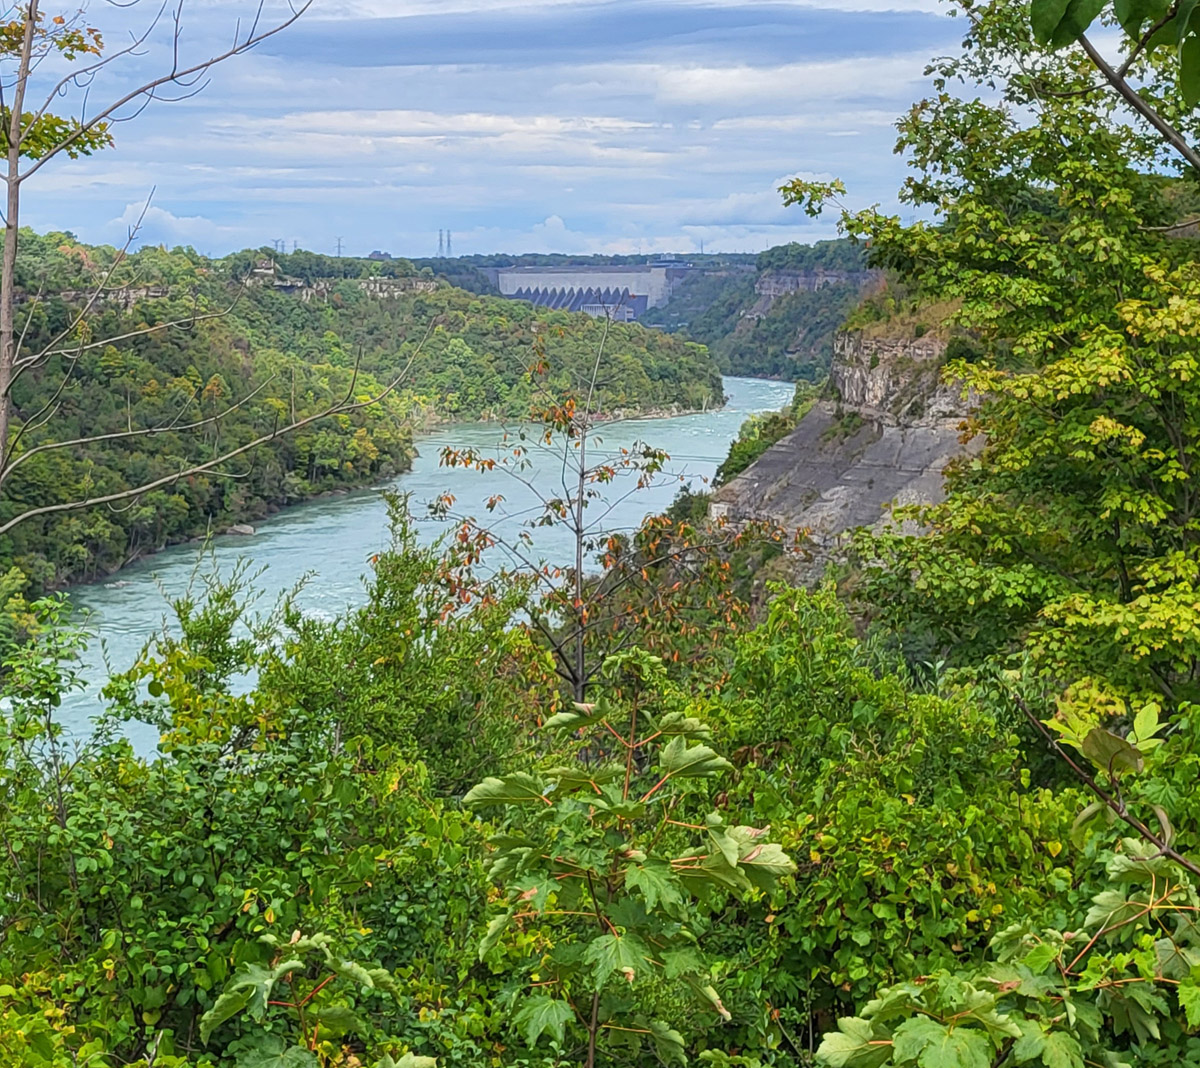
[(758, 207), (554, 234), (829, 122), (530, 146), (842, 79), (154, 225)]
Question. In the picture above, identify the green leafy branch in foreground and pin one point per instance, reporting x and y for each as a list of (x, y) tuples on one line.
[(314, 1005), (598, 849), (1122, 990), (1149, 26)]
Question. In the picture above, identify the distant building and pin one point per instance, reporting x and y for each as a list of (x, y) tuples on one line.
[(621, 293), (377, 255), (617, 304)]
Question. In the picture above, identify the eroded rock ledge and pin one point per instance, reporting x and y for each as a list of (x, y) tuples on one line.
[(883, 437)]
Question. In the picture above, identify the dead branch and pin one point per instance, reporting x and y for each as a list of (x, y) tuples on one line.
[(147, 91), (343, 407)]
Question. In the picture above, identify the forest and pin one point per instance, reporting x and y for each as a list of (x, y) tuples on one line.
[(789, 336), (940, 811), (197, 341)]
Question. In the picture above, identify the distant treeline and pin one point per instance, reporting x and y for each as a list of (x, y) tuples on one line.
[(840, 255), (789, 337), (560, 259)]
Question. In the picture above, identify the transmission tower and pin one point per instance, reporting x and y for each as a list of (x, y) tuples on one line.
[(441, 244), (449, 247), (339, 248)]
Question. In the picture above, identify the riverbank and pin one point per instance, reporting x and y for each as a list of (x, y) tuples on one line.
[(229, 526), (332, 541), (429, 427)]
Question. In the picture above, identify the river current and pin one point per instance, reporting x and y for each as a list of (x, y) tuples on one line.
[(330, 542)]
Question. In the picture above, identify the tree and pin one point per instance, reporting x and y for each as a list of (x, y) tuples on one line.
[(1067, 549), (666, 577), (1119, 986), (1157, 31), (599, 849), (1061, 568), (34, 136)]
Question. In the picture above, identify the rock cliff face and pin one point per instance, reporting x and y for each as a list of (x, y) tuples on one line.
[(772, 285), (896, 380), (884, 437)]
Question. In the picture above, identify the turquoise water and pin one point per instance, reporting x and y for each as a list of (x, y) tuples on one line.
[(330, 542)]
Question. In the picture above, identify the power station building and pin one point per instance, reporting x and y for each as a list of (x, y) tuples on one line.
[(620, 293)]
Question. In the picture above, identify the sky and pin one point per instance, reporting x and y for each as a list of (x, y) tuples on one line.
[(615, 126)]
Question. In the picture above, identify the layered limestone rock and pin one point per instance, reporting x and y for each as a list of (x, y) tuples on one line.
[(883, 437), (772, 285)]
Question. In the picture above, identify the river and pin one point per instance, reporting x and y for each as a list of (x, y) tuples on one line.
[(332, 540)]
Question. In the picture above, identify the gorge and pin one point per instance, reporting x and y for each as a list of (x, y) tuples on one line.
[(333, 540)]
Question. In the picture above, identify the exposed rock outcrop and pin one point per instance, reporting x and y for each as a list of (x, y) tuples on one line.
[(893, 379), (771, 285), (883, 437)]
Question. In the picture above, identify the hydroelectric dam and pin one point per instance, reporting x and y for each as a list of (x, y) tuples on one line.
[(621, 293)]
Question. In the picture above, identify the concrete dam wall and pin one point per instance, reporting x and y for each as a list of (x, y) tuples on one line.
[(638, 287)]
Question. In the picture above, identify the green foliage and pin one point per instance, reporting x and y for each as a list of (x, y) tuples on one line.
[(1120, 986), (1058, 572), (760, 432), (756, 436), (315, 1007), (1151, 27), (141, 896), (596, 851), (293, 880), (43, 132), (1068, 547), (902, 807), (702, 299), (415, 668), (839, 255), (789, 336), (792, 337)]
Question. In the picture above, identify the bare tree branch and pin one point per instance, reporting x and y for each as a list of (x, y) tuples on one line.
[(343, 407), (37, 42), (147, 89), (81, 75), (173, 427)]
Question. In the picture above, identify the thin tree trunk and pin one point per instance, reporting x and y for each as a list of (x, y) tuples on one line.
[(1134, 99), (12, 223), (593, 1030), (580, 619)]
